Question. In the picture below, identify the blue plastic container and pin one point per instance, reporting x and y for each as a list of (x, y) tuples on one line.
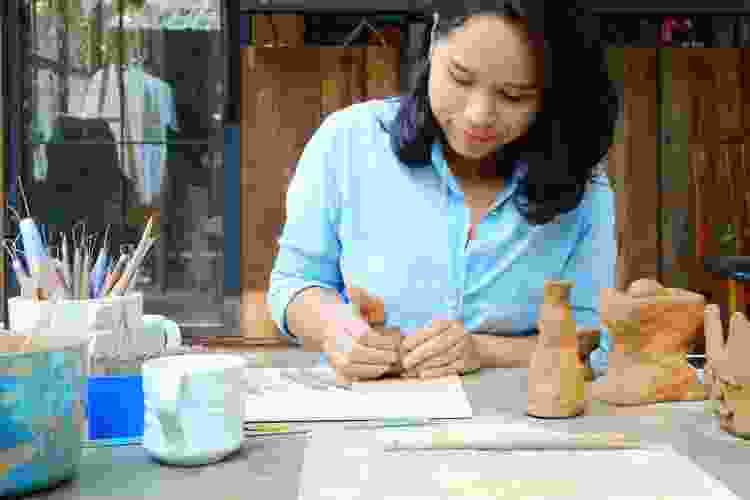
[(115, 408)]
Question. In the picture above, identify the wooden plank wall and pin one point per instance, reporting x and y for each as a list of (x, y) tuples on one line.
[(716, 103), (286, 92), (633, 164)]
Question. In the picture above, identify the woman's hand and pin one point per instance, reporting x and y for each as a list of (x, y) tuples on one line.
[(443, 348), (372, 309), (356, 351)]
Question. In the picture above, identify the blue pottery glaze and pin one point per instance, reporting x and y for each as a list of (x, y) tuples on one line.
[(42, 414)]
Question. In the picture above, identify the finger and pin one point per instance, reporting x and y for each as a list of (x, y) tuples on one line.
[(385, 339), (422, 335), (457, 367), (454, 353), (359, 371), (739, 330), (370, 356), (338, 362), (440, 371), (436, 346), (347, 371)]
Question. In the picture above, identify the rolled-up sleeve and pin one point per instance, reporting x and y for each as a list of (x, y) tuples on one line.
[(592, 264), (309, 247)]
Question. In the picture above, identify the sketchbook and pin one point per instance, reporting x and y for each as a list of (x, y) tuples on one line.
[(284, 395)]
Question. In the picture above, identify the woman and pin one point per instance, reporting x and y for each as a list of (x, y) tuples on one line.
[(455, 202)]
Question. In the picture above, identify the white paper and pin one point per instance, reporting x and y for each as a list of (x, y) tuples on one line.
[(353, 465), (282, 400)]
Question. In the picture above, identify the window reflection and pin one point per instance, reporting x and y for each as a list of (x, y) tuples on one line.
[(125, 106)]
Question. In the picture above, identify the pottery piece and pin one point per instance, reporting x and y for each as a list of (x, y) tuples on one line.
[(556, 371), (372, 310), (652, 330), (727, 371)]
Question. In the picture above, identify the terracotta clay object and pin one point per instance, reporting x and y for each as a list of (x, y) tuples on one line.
[(729, 373), (372, 309), (652, 330), (556, 371)]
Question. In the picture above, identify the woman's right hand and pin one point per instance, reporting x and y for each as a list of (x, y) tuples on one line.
[(355, 350)]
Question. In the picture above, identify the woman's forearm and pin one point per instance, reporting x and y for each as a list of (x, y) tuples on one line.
[(504, 352), (304, 318)]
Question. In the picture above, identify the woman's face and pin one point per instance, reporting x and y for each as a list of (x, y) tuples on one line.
[(483, 85)]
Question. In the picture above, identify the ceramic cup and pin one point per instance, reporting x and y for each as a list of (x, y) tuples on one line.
[(42, 409), (121, 315), (194, 407)]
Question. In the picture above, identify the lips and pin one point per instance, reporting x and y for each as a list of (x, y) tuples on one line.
[(479, 137)]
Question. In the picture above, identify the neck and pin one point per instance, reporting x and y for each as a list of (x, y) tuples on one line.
[(470, 170)]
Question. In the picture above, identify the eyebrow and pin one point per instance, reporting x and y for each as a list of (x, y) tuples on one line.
[(519, 85)]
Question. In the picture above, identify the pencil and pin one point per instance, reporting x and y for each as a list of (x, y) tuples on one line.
[(114, 275)]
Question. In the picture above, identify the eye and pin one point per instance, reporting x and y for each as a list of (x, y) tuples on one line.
[(462, 82), (511, 97)]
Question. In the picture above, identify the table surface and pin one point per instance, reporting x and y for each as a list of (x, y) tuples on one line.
[(270, 466)]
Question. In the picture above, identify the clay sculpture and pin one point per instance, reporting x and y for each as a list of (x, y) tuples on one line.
[(727, 372), (652, 329), (372, 310), (556, 371)]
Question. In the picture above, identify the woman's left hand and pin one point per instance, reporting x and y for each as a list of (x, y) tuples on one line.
[(443, 348)]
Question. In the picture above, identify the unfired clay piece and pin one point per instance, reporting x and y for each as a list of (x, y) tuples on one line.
[(727, 371), (652, 329), (556, 372), (372, 310)]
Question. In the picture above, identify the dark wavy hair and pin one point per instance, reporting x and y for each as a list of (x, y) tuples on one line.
[(571, 134)]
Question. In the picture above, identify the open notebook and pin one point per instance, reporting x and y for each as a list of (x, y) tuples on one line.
[(282, 395)]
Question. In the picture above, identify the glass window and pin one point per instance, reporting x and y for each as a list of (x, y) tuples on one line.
[(125, 123)]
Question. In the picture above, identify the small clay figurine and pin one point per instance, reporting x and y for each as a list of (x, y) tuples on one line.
[(372, 310), (727, 373), (556, 371), (652, 329)]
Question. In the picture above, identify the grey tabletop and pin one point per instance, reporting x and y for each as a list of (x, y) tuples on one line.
[(270, 466)]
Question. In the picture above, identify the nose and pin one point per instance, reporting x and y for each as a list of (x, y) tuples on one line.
[(481, 111)]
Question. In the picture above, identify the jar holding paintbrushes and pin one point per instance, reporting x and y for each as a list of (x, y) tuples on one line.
[(74, 288)]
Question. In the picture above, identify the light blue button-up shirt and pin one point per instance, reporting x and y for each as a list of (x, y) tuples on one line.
[(357, 215)]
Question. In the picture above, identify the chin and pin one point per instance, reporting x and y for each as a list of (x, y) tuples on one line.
[(473, 152)]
